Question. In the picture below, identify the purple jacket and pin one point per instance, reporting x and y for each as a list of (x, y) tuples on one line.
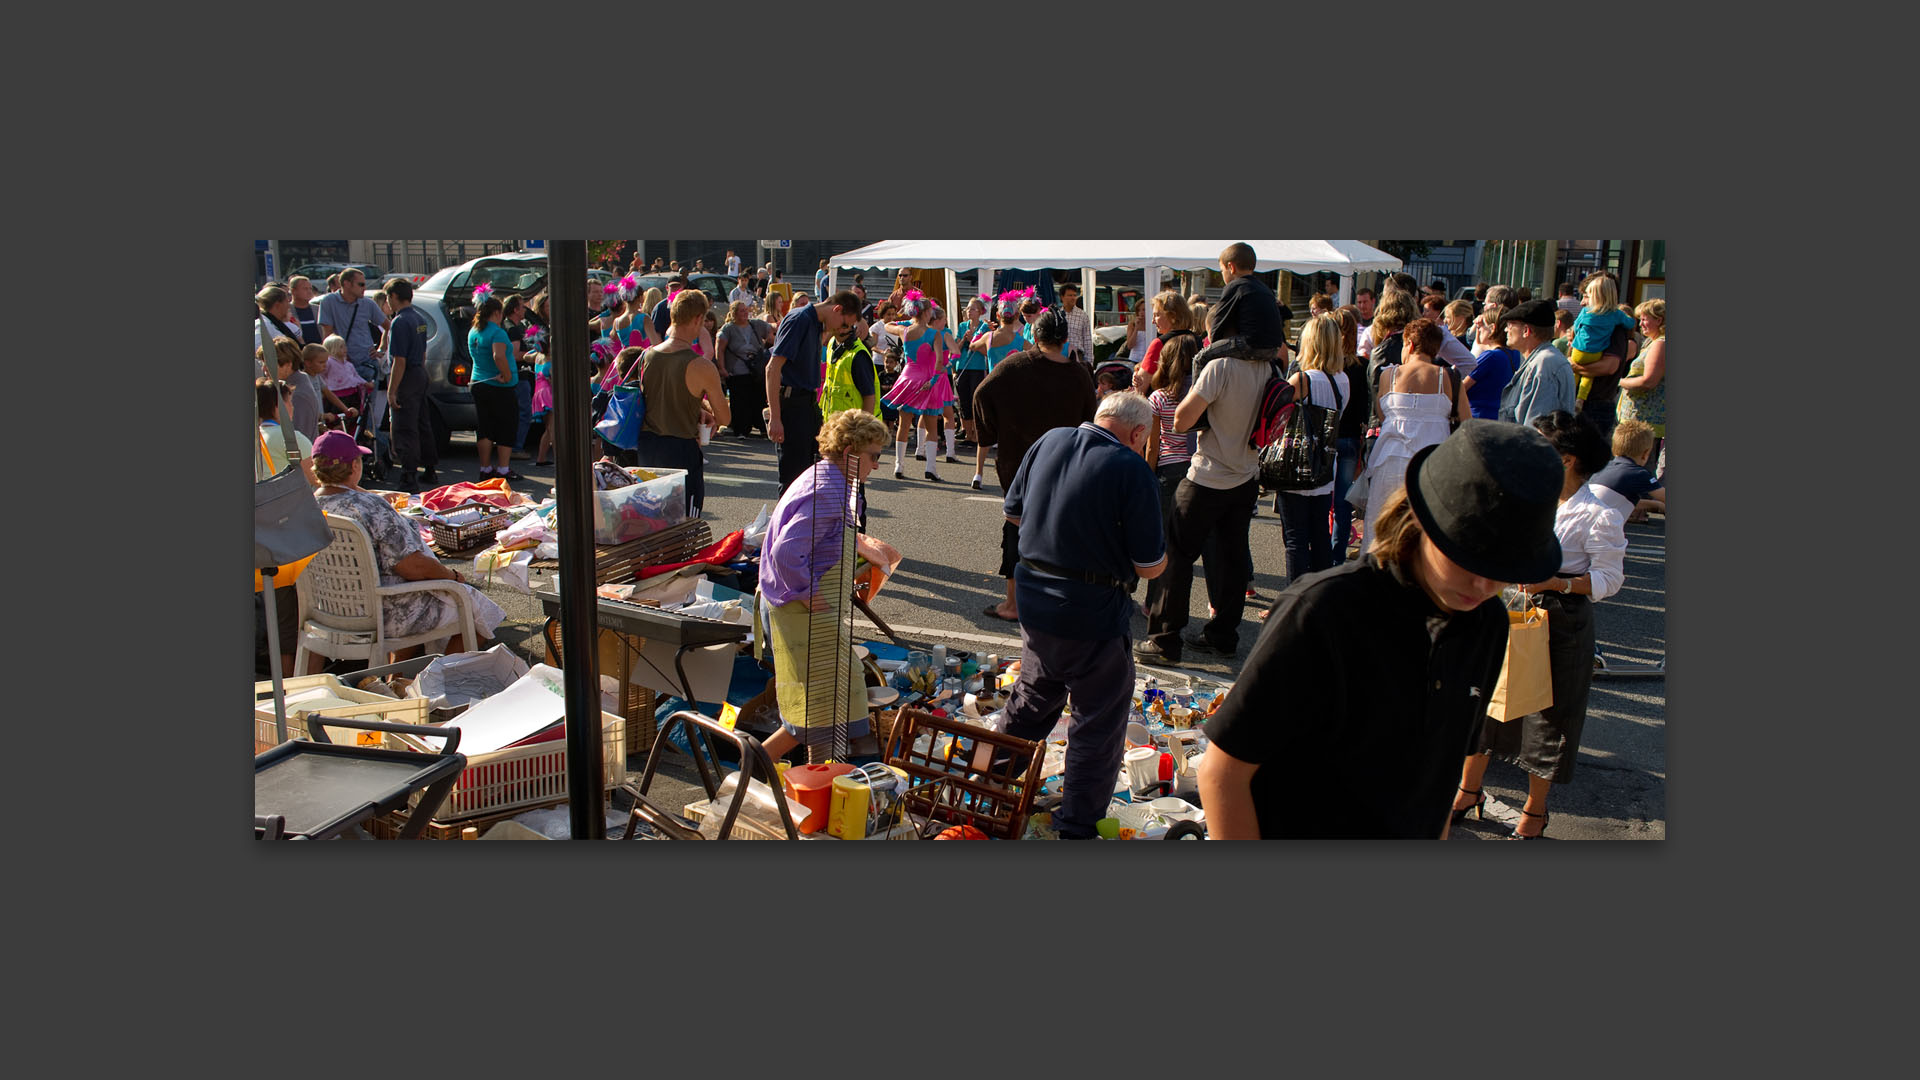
[(805, 529)]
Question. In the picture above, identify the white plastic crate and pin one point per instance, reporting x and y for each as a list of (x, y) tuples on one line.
[(366, 706), (519, 776)]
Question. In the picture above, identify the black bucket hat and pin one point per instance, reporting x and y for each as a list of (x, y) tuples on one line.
[(1487, 497)]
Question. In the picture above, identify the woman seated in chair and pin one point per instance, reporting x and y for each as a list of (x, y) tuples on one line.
[(397, 547)]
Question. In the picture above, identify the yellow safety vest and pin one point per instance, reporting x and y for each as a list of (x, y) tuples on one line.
[(837, 391)]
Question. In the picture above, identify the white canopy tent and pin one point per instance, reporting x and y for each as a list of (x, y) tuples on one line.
[(1343, 257)]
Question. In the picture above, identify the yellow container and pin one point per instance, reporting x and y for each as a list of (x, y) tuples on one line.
[(847, 813)]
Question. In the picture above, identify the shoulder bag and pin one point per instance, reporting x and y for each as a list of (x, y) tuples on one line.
[(1304, 456)]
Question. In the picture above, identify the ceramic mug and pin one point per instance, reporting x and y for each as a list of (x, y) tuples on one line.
[(1143, 767)]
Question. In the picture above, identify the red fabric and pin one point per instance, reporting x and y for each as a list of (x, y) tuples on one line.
[(494, 492), (1152, 359), (724, 550)]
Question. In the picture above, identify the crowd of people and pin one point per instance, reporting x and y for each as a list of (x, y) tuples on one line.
[(1480, 444)]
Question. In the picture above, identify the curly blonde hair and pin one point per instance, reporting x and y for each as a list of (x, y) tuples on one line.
[(850, 429)]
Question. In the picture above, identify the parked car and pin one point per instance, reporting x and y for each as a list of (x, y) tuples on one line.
[(716, 286), (376, 284), (321, 271)]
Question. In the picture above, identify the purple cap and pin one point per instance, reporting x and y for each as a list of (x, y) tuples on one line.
[(339, 446)]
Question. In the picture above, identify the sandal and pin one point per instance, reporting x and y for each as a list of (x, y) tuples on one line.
[(993, 611), (1516, 835), (1478, 809)]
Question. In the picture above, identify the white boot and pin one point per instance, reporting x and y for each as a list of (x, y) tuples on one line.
[(899, 456), (932, 447)]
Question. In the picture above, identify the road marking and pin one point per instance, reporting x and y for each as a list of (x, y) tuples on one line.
[(927, 633), (984, 498), (930, 634)]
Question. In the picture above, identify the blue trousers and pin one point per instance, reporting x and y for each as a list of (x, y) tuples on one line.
[(1346, 465), (524, 390), (1098, 676)]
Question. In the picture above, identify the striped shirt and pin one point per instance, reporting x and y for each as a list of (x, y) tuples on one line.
[(1173, 448)]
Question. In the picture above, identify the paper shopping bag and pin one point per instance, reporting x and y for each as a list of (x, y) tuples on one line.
[(1526, 678)]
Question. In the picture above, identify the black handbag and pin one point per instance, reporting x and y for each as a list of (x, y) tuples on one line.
[(1304, 456)]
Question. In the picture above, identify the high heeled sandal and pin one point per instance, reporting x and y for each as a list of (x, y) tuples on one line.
[(1515, 834), (1478, 809)]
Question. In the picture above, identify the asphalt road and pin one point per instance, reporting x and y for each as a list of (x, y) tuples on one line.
[(949, 535)]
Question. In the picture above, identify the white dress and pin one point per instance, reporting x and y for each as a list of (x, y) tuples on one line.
[(1409, 423)]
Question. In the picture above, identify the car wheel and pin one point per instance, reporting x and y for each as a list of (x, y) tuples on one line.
[(442, 434)]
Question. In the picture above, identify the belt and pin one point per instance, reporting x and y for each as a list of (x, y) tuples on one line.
[(810, 392), (1073, 575)]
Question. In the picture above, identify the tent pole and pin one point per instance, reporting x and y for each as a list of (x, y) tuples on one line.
[(567, 274)]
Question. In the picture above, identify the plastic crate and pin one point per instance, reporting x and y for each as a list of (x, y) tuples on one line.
[(628, 513), (366, 706), (520, 777)]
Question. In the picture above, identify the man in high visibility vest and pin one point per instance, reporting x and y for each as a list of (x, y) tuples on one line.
[(849, 382)]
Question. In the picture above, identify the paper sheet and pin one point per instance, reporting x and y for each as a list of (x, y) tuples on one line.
[(533, 702)]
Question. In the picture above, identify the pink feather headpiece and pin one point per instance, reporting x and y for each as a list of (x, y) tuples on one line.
[(629, 287), (481, 292)]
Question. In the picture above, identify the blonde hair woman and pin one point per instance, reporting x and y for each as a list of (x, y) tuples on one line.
[(1171, 316), (1643, 393), (806, 580), (1321, 380)]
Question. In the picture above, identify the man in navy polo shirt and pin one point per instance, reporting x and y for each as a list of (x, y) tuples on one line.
[(1088, 508), (793, 381)]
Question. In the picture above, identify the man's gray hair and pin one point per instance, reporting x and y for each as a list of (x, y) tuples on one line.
[(1126, 407)]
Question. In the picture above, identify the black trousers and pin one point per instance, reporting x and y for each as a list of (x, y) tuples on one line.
[(1201, 513), (800, 416), (413, 441), (746, 396)]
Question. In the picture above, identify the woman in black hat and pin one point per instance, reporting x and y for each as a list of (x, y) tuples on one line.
[(1321, 739), (1593, 544)]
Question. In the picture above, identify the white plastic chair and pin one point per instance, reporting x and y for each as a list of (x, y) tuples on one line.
[(340, 595)]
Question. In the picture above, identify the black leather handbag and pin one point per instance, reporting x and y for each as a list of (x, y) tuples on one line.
[(1303, 458)]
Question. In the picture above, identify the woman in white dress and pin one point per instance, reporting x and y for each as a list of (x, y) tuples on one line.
[(1418, 397)]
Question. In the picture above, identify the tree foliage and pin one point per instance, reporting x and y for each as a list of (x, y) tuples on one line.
[(1407, 250)]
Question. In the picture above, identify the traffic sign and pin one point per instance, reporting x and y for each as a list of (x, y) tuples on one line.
[(535, 245), (776, 243)]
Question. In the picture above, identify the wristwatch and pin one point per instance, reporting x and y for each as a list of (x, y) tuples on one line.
[(1569, 581)]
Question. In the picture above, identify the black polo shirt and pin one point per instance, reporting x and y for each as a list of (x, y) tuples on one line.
[(1364, 698), (798, 343)]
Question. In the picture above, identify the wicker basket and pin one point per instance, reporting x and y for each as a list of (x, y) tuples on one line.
[(637, 703), (460, 539)]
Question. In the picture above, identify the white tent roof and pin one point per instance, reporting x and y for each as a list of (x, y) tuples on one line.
[(1299, 256)]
